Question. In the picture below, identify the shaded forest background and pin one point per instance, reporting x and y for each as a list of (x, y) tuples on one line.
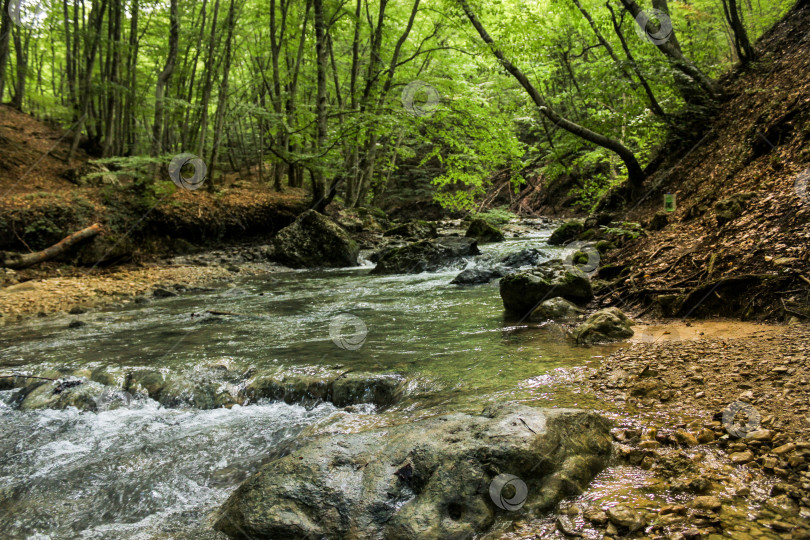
[(567, 95)]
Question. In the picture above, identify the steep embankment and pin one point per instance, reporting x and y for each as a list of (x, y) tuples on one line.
[(43, 198), (737, 243)]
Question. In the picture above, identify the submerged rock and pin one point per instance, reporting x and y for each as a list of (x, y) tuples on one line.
[(341, 389), (425, 255), (483, 231), (608, 324), (428, 479), (522, 291), (315, 240), (61, 394)]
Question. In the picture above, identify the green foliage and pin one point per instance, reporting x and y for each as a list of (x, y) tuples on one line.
[(496, 216)]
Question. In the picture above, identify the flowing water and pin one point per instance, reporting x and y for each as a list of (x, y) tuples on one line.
[(140, 470)]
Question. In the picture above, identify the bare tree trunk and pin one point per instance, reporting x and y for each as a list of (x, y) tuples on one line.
[(5, 29), (634, 171), (672, 50), (655, 107), (96, 19), (745, 52), (223, 93), (163, 80), (21, 54), (206, 97), (319, 194)]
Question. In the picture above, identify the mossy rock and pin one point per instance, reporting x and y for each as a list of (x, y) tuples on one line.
[(315, 240), (522, 291), (566, 232), (603, 246), (609, 324), (484, 232)]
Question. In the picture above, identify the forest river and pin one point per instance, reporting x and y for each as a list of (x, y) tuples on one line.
[(133, 468)]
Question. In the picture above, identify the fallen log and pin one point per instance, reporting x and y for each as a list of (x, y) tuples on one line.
[(24, 260)]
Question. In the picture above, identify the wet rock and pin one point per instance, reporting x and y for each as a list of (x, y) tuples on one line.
[(341, 389), (623, 516), (685, 438), (356, 388), (707, 502), (608, 324), (315, 240), (555, 309), (145, 382), (413, 229), (62, 394), (740, 458), (356, 482), (476, 276), (646, 387), (566, 232), (524, 257), (524, 290), (163, 293), (595, 515), (425, 256), (484, 232)]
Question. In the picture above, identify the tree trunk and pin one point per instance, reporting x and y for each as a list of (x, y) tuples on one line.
[(745, 52), (24, 260), (223, 94), (319, 194), (5, 30), (163, 80), (672, 50), (96, 19)]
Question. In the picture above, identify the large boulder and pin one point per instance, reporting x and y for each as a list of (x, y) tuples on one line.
[(608, 324), (566, 232), (484, 232), (430, 479), (522, 291), (425, 255), (314, 240)]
